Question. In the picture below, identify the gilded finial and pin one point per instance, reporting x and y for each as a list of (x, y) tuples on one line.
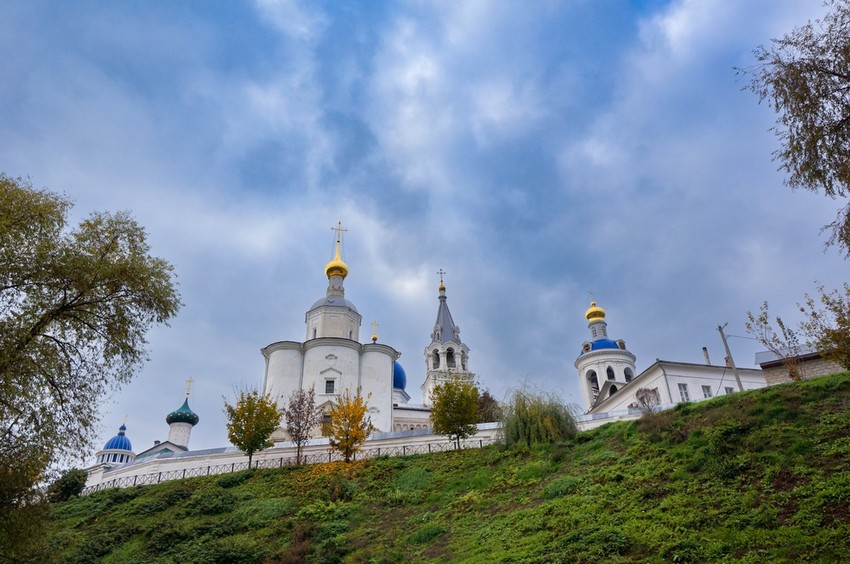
[(442, 287), (374, 331)]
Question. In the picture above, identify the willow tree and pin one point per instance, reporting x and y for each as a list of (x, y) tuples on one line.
[(805, 76), (75, 306)]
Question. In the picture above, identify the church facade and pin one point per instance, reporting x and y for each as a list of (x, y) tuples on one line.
[(332, 360), (609, 383)]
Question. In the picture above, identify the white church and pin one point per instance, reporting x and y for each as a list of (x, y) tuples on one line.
[(332, 360), (610, 384)]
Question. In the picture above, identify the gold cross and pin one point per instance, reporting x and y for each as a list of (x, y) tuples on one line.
[(441, 272), (339, 231), (374, 331), (189, 383)]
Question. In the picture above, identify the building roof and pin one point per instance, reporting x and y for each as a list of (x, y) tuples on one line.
[(119, 441), (183, 415), (445, 329), (399, 376)]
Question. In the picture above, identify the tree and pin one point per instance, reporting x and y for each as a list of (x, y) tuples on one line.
[(454, 409), (646, 400), (251, 422), (532, 418), (784, 343), (75, 307), (349, 425), (301, 418), (827, 324), (68, 485), (805, 75), (489, 409)]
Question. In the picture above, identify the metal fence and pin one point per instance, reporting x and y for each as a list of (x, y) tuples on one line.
[(329, 456)]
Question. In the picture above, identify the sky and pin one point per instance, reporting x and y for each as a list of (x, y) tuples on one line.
[(542, 154)]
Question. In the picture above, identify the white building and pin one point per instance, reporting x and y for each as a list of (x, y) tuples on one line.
[(447, 357), (332, 360), (117, 453), (606, 372)]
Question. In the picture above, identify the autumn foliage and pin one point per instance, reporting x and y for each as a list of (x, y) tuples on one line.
[(349, 425)]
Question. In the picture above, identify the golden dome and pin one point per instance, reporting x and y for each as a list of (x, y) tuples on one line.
[(594, 313), (336, 267)]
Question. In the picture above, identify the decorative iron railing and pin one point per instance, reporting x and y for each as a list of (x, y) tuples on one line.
[(316, 458)]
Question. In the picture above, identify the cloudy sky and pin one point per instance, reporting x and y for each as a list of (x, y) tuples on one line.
[(535, 151)]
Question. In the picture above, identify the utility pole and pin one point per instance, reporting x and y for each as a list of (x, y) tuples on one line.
[(729, 356)]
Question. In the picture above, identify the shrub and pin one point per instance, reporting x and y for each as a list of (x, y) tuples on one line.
[(427, 533), (561, 486), (532, 418), (211, 503), (69, 485)]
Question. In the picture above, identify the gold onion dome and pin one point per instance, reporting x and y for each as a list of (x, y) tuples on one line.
[(594, 313), (336, 267)]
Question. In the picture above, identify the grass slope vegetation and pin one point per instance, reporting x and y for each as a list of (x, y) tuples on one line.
[(756, 476)]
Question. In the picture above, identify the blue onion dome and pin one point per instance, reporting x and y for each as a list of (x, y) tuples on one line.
[(399, 377), (603, 344), (119, 441), (183, 415)]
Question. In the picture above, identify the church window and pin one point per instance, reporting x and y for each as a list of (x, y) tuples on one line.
[(594, 383), (729, 390), (436, 359), (629, 374), (450, 358), (329, 386), (683, 392), (610, 372), (706, 392), (463, 360)]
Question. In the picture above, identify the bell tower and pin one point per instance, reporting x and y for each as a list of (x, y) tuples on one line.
[(604, 366), (447, 357)]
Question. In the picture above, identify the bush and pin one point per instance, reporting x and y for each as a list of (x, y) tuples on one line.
[(69, 485), (534, 418), (561, 486)]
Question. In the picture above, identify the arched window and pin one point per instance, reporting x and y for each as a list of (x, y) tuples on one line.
[(450, 358), (436, 361), (594, 382), (610, 372), (613, 391), (629, 374)]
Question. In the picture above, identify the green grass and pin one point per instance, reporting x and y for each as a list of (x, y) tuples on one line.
[(756, 476)]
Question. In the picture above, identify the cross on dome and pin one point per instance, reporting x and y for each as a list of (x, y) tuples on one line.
[(336, 267)]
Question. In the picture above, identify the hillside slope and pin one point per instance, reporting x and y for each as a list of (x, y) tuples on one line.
[(755, 476)]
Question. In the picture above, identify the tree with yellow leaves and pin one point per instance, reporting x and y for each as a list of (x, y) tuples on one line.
[(349, 425), (251, 422)]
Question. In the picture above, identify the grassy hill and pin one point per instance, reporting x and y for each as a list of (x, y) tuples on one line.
[(757, 476)]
